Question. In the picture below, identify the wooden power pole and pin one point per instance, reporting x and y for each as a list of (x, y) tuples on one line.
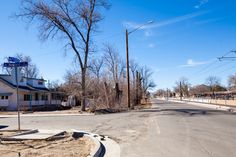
[(127, 68)]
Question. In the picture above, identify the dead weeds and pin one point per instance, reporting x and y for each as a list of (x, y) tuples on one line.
[(66, 147)]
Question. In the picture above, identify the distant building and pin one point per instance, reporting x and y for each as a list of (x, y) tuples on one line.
[(32, 93)]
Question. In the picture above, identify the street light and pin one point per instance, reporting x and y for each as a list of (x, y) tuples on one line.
[(127, 58)]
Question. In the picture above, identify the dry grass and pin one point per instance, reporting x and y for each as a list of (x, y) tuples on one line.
[(66, 147)]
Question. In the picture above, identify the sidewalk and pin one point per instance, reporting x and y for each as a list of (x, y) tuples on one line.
[(206, 105), (44, 114)]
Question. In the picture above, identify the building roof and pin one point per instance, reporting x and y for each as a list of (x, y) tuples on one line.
[(27, 88), (5, 94), (4, 75), (39, 88), (35, 79), (14, 86)]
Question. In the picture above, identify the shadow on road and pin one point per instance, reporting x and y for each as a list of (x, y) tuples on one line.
[(3, 126), (187, 112)]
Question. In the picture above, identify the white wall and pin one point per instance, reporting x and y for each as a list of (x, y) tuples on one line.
[(12, 98), (34, 83)]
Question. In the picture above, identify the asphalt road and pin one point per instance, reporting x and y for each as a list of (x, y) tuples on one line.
[(166, 130)]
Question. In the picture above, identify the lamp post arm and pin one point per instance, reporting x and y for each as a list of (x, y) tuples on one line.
[(149, 22)]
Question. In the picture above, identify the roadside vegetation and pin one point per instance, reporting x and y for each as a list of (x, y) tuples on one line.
[(98, 81), (212, 88)]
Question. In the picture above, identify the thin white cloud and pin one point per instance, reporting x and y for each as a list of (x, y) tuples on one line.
[(151, 45), (192, 63), (133, 25), (201, 3)]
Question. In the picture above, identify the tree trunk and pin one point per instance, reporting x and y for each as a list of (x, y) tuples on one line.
[(137, 89), (106, 95), (83, 89)]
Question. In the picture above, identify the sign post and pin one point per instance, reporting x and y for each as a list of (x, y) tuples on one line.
[(15, 63)]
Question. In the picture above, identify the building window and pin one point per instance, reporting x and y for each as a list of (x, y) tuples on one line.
[(6, 97), (26, 97), (40, 82), (44, 97), (22, 79), (2, 97), (36, 96)]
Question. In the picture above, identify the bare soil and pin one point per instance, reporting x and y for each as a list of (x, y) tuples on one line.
[(66, 147), (74, 110)]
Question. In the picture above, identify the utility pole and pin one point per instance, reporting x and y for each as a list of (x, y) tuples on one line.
[(127, 67), (127, 59), (180, 90), (167, 94)]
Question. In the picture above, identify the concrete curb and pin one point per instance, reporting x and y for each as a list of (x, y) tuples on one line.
[(111, 146), (97, 150), (44, 115), (104, 145)]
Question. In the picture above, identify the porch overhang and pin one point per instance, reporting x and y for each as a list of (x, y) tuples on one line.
[(6, 94)]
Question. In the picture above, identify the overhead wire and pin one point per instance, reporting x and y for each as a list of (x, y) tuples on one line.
[(213, 67)]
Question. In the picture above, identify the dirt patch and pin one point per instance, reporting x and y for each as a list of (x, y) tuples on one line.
[(143, 106), (75, 110), (66, 147), (8, 113)]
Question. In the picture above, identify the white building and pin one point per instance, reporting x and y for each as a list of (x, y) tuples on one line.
[(32, 93)]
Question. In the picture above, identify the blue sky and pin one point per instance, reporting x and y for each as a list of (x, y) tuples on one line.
[(185, 39)]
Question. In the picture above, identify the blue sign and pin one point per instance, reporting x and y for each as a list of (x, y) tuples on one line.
[(18, 64), (13, 59)]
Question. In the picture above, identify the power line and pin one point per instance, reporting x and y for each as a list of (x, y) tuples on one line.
[(211, 67), (206, 67), (225, 56), (228, 69), (213, 63), (212, 70)]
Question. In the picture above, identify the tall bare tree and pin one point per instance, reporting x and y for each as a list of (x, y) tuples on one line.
[(31, 70), (147, 82), (199, 90), (133, 68), (213, 82), (96, 67), (113, 62), (232, 81), (73, 20), (182, 86)]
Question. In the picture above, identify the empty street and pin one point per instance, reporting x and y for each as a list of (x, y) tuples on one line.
[(167, 129)]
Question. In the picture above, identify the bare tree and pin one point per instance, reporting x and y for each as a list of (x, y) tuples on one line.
[(113, 62), (182, 86), (147, 82), (199, 90), (30, 71), (72, 83), (73, 20), (232, 81), (96, 67), (160, 93), (133, 68), (213, 82)]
